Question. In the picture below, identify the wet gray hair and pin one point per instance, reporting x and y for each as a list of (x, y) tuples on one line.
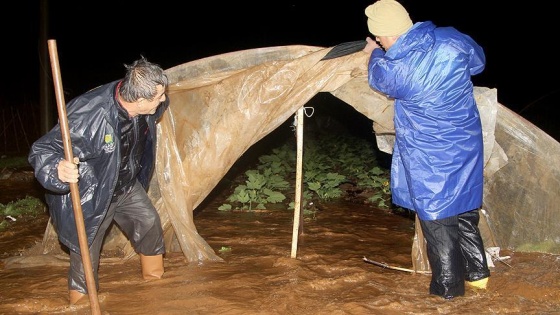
[(141, 79)]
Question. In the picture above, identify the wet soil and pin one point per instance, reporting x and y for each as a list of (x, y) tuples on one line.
[(258, 275), (25, 231)]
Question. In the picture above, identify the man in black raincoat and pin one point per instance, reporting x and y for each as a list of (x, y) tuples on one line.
[(113, 135)]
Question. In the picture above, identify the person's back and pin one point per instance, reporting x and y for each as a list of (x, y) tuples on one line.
[(428, 74), (437, 161)]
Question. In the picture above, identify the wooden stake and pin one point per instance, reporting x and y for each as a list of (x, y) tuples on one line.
[(395, 268), (299, 167), (74, 189)]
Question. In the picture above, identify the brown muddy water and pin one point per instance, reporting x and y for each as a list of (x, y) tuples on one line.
[(258, 275)]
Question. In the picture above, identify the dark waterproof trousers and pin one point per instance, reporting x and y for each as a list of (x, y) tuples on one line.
[(138, 219), (455, 252)]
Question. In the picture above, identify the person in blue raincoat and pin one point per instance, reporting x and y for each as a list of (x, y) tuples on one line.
[(113, 135), (437, 160)]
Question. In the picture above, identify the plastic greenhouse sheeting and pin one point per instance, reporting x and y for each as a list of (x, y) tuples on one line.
[(222, 105)]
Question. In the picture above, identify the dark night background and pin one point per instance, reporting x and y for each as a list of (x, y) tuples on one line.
[(95, 38)]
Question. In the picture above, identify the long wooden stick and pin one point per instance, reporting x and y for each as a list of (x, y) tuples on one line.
[(74, 189), (384, 265), (299, 176)]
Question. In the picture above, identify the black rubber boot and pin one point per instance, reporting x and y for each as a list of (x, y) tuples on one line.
[(444, 255)]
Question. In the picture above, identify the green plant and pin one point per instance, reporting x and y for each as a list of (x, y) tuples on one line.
[(281, 162), (328, 162), (259, 189), (29, 206), (376, 179), (13, 161), (326, 186), (224, 249)]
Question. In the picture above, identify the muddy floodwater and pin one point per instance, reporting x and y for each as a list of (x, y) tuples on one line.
[(258, 275)]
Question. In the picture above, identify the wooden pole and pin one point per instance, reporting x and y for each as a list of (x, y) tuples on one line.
[(74, 189), (384, 265), (299, 167)]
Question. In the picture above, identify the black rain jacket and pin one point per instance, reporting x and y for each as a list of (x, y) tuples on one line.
[(94, 132)]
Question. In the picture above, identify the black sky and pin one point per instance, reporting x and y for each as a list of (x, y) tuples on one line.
[(95, 38)]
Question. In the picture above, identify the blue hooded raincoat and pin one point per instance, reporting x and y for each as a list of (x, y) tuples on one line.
[(437, 164)]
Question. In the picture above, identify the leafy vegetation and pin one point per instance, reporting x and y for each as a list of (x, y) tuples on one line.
[(13, 161), (328, 163), (259, 189), (29, 206)]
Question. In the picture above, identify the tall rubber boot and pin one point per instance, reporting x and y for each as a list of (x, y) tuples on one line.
[(75, 296), (152, 266), (479, 284)]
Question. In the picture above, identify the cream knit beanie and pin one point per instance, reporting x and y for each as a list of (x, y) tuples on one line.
[(387, 18)]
